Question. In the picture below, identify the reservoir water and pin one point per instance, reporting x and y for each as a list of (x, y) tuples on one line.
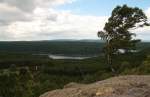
[(68, 57)]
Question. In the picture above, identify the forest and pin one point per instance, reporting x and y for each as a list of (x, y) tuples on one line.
[(29, 75)]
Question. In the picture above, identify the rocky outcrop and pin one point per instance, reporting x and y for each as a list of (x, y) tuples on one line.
[(122, 86)]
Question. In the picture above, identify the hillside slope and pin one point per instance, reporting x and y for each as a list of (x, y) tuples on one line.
[(122, 86)]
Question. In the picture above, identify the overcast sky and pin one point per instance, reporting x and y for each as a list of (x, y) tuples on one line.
[(60, 19)]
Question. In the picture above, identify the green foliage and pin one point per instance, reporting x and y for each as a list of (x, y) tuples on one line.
[(145, 66), (15, 84), (117, 30), (52, 75), (19, 78)]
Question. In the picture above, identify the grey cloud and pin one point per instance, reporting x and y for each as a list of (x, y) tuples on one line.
[(22, 10), (3, 22), (30, 5), (25, 5), (9, 16), (63, 33), (52, 17)]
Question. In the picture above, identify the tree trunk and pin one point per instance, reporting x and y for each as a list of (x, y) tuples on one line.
[(109, 61), (109, 56)]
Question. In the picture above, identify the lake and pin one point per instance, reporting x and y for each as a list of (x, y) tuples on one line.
[(69, 57)]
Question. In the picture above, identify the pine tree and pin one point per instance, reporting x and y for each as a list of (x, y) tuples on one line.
[(117, 31)]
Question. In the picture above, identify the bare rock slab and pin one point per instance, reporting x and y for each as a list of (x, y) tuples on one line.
[(122, 86)]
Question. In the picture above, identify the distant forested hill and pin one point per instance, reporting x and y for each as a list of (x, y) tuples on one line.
[(83, 47), (72, 47)]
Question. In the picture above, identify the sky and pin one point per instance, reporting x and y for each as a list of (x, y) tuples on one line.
[(26, 20)]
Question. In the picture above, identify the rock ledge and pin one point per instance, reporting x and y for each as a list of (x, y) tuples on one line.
[(122, 86)]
